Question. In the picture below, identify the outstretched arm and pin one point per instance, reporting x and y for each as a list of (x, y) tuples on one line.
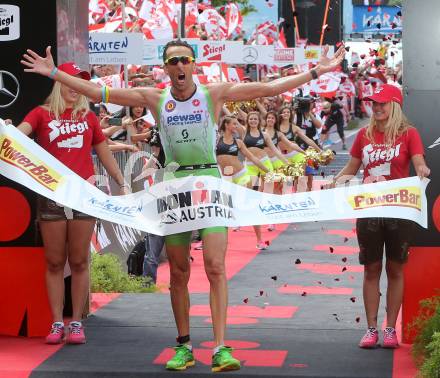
[(305, 138), (249, 91), (287, 142), (129, 97), (274, 149)]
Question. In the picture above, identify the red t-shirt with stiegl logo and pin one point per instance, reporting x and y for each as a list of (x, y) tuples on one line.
[(380, 160), (69, 140)]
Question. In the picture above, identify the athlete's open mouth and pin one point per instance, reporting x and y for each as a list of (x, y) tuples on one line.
[(181, 77)]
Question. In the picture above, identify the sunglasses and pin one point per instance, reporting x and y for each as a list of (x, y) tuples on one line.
[(176, 59)]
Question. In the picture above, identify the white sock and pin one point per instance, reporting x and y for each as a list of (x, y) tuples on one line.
[(75, 323), (216, 349), (59, 324)]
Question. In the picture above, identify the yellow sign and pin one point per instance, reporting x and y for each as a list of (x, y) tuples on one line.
[(15, 154), (406, 197), (311, 54)]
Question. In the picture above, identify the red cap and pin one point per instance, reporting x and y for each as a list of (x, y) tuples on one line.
[(72, 69), (387, 93)]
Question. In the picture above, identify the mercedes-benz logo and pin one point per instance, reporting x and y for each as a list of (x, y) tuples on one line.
[(9, 89), (250, 54)]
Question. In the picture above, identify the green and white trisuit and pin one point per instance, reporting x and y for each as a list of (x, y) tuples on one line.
[(188, 132)]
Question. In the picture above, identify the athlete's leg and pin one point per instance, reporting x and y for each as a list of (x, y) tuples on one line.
[(177, 247), (214, 251)]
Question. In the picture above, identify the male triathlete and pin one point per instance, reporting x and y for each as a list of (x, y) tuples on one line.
[(186, 114)]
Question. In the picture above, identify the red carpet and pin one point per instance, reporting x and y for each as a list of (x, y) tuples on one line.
[(241, 251), (337, 249), (330, 268), (320, 290)]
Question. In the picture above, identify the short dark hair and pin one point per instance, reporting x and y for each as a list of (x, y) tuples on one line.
[(177, 42)]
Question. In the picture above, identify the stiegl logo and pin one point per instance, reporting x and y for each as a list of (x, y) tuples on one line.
[(406, 197), (13, 153), (9, 22)]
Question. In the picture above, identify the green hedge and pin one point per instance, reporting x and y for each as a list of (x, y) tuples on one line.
[(426, 347), (107, 276), (431, 366)]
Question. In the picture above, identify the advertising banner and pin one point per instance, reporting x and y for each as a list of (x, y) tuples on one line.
[(376, 19), (220, 51), (196, 202), (153, 50), (115, 48), (310, 54), (256, 54), (283, 57), (119, 48)]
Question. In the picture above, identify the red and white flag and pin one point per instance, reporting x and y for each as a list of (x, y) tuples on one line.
[(234, 75), (98, 9), (158, 27), (326, 85), (234, 20), (213, 23), (147, 9)]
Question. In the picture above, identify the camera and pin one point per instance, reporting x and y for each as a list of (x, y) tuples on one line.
[(115, 121), (302, 104), (154, 140)]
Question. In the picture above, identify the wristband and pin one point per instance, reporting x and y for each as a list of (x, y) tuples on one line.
[(103, 94), (107, 94), (53, 72), (314, 74)]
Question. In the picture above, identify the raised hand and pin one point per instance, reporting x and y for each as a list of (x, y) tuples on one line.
[(37, 63), (326, 64)]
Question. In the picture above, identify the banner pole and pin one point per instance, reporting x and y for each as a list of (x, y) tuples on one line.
[(256, 65), (182, 19), (295, 20), (124, 30), (324, 22)]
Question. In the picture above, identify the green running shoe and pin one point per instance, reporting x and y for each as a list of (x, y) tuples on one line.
[(182, 359), (223, 360)]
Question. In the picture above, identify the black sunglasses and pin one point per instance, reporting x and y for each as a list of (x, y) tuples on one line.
[(176, 59)]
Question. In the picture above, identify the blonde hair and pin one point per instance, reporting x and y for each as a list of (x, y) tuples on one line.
[(396, 125), (57, 106)]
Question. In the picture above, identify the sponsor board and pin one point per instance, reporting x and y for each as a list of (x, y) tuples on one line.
[(406, 197), (13, 153), (220, 51), (283, 57), (115, 48), (310, 54), (9, 22), (9, 89), (153, 50), (230, 52)]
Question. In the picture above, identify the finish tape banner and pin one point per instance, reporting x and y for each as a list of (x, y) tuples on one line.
[(196, 202)]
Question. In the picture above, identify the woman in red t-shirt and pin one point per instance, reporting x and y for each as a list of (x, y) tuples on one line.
[(65, 127), (385, 148)]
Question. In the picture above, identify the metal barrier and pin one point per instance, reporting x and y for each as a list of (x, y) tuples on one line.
[(124, 160)]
